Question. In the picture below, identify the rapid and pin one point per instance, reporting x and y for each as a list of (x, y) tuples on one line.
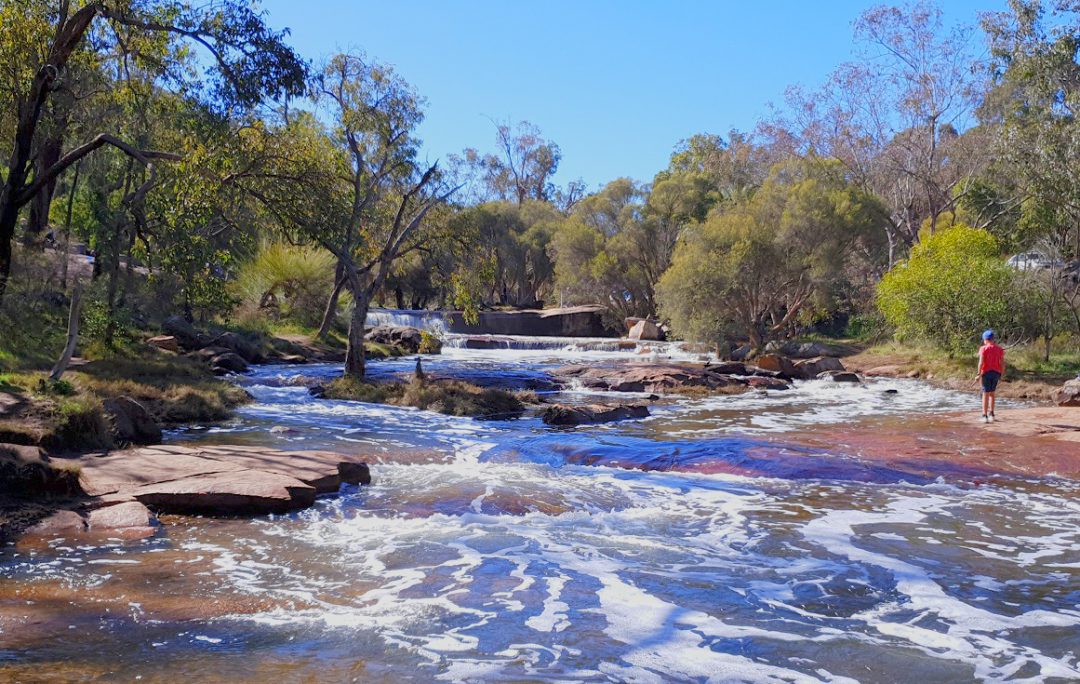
[(712, 541)]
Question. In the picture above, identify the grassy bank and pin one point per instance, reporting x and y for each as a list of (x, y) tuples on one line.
[(69, 415), (1027, 376)]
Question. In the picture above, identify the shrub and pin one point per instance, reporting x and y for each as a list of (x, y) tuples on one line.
[(429, 344), (290, 283), (81, 424), (952, 287), (450, 397)]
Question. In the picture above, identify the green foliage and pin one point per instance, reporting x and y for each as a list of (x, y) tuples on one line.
[(777, 260), (429, 344), (286, 283), (80, 423), (55, 388), (953, 286)]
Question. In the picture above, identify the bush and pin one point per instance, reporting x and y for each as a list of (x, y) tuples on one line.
[(953, 286), (290, 283), (450, 397), (429, 344)]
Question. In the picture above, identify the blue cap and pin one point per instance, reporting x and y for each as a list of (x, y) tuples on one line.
[(988, 335)]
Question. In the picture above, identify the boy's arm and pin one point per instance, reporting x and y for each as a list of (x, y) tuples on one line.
[(982, 353)]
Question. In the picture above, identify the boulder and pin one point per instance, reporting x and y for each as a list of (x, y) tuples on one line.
[(782, 365), (812, 368), (728, 368), (630, 322), (59, 524), (207, 353), (130, 422), (561, 414), (765, 382), (404, 337), (228, 362), (183, 332), (166, 342), (239, 345), (839, 376), (742, 353), (1069, 394), (122, 516), (807, 350), (292, 359), (645, 330)]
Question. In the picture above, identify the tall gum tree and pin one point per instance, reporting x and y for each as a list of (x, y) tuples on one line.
[(250, 62)]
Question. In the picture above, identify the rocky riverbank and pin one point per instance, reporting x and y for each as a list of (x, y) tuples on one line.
[(122, 492)]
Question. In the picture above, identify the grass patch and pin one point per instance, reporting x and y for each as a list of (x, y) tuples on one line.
[(449, 397)]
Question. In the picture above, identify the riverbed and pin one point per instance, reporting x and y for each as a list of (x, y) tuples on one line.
[(721, 539)]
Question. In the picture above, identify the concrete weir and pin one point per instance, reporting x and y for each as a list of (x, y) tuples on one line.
[(577, 321)]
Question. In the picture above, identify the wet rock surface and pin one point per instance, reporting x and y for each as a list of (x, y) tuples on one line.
[(667, 378), (561, 414)]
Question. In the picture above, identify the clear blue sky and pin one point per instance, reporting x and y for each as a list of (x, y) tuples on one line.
[(615, 83)]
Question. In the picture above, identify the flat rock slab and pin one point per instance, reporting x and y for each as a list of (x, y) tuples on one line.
[(247, 492), (217, 480), (1061, 423)]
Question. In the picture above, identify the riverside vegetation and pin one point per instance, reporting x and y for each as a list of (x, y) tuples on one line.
[(246, 189)]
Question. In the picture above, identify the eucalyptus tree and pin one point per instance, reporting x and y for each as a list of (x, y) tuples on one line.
[(520, 169), (899, 117), (763, 266), (376, 195), (43, 38)]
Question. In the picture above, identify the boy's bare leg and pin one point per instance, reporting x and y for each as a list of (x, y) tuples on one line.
[(993, 401), (986, 403)]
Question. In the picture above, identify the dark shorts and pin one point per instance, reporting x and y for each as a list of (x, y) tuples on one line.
[(990, 381)]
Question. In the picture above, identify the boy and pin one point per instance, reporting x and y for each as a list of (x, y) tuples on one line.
[(991, 368)]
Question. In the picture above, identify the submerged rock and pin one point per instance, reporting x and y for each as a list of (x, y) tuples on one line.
[(561, 414)]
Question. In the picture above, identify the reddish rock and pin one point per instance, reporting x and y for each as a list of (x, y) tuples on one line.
[(247, 492), (778, 364), (131, 514), (645, 330), (767, 383), (166, 342), (561, 414), (59, 524)]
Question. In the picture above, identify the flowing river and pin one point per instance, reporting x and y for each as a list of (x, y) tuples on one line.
[(721, 539)]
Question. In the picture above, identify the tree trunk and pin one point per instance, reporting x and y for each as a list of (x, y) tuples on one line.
[(72, 338), (330, 313), (9, 217), (354, 354), (38, 220), (399, 298)]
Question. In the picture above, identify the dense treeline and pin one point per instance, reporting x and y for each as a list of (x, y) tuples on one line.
[(212, 171)]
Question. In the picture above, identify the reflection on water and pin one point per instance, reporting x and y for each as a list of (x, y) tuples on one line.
[(513, 551)]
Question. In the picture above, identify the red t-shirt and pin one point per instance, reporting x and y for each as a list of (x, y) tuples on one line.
[(991, 358)]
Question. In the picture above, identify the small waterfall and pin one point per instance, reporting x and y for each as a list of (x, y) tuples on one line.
[(431, 321), (570, 344)]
